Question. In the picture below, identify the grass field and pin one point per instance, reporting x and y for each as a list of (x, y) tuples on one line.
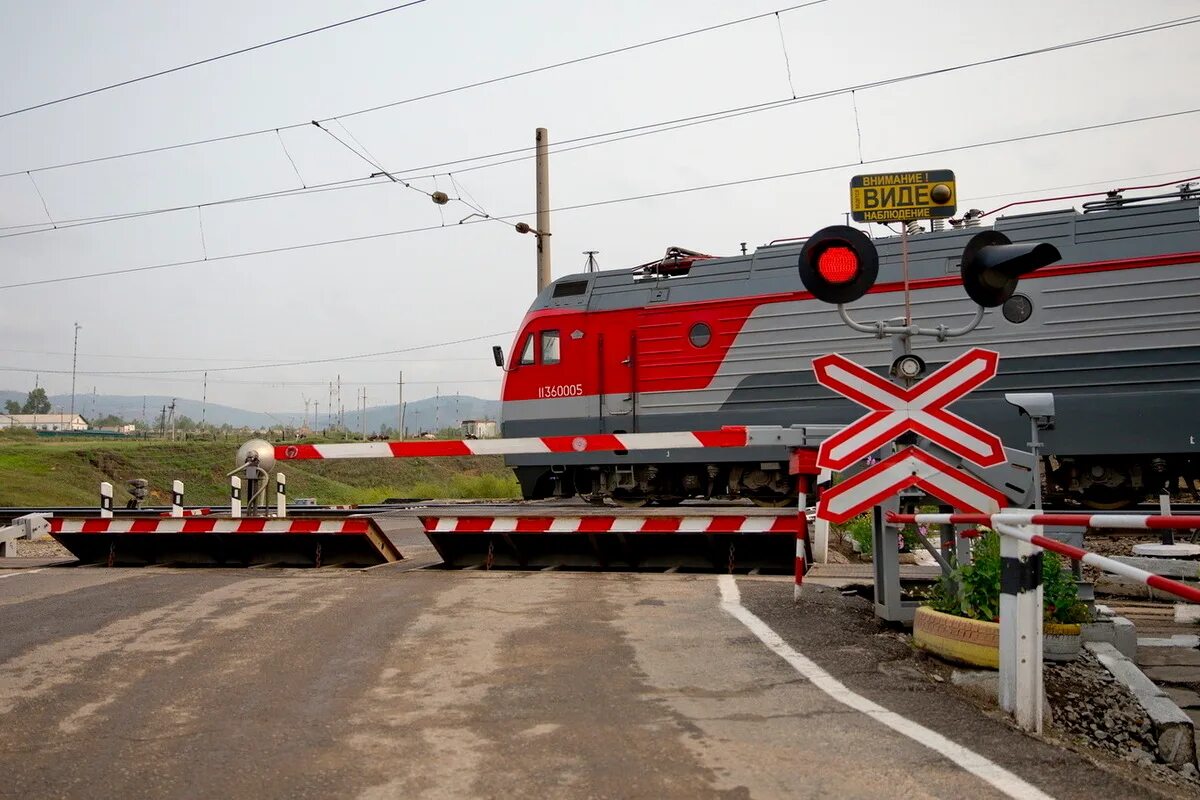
[(45, 472)]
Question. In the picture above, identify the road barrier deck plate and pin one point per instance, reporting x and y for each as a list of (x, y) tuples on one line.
[(762, 539), (308, 542)]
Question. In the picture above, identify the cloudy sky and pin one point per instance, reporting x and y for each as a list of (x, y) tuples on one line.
[(424, 279)]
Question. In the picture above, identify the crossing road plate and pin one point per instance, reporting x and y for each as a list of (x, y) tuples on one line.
[(894, 410), (903, 196)]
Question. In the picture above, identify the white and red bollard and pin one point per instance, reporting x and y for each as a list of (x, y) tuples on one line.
[(177, 498), (106, 500), (235, 496), (280, 494)]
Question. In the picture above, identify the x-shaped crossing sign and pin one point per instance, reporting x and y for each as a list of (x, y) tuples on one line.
[(895, 410)]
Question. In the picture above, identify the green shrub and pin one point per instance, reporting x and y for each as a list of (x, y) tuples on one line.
[(860, 529), (973, 590)]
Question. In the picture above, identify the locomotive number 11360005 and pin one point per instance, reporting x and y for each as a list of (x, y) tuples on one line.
[(560, 390)]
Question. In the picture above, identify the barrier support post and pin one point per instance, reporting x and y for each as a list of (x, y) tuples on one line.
[(280, 494), (176, 498), (106, 499), (1164, 508), (235, 497), (1021, 690), (801, 536)]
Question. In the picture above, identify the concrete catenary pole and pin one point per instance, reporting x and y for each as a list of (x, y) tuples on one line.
[(543, 209), (75, 351)]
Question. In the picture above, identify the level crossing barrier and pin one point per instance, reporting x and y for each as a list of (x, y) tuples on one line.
[(1021, 544), (352, 541)]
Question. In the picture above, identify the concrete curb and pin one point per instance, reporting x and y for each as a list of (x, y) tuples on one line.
[(1173, 729), (1114, 630)]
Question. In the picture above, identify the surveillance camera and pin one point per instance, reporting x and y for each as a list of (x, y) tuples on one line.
[(1033, 404)]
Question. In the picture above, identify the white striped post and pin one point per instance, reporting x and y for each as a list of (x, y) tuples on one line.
[(1022, 693), (177, 498), (106, 499), (820, 529), (235, 496), (801, 535), (280, 494)]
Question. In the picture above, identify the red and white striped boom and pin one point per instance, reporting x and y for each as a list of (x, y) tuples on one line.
[(801, 438), (1011, 524), (1121, 521), (734, 436)]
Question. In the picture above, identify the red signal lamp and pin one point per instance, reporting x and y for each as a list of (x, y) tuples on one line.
[(839, 264)]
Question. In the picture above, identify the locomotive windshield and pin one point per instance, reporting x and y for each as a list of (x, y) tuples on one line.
[(550, 347)]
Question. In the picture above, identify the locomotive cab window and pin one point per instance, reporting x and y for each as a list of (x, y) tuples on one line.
[(527, 351), (550, 345)]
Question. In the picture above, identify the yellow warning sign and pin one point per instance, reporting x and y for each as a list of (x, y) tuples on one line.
[(903, 196)]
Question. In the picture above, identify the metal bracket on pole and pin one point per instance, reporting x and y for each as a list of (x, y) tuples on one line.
[(880, 328)]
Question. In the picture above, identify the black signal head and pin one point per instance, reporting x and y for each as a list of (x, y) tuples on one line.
[(839, 264)]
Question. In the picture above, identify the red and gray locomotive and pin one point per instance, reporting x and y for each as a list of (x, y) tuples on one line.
[(695, 342)]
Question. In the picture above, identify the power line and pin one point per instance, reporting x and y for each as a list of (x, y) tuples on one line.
[(612, 201), (210, 59), (347, 183), (885, 159), (589, 140), (300, 363), (258, 361), (439, 93), (229, 382)]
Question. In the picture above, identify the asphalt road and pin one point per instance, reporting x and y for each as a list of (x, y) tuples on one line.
[(401, 682)]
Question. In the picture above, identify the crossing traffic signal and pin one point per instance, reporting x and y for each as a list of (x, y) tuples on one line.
[(839, 264), (992, 265)]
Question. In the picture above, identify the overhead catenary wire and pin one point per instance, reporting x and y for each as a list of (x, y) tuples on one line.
[(427, 96), (303, 362), (233, 382), (210, 59), (225, 359), (611, 201), (599, 139)]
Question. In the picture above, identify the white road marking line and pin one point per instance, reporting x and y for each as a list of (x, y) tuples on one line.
[(22, 572), (969, 760)]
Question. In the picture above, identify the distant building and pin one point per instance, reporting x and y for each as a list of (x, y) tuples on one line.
[(126, 429), (480, 429), (44, 422)]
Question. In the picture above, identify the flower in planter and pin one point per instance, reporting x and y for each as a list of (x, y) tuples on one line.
[(973, 590)]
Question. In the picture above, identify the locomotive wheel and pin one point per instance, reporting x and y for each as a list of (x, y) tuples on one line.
[(1105, 498), (627, 498), (767, 499)]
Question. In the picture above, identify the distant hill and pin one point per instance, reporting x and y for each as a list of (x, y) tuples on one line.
[(428, 414)]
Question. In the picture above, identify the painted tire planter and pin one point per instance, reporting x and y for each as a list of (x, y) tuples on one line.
[(1061, 642), (975, 643), (965, 641)]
